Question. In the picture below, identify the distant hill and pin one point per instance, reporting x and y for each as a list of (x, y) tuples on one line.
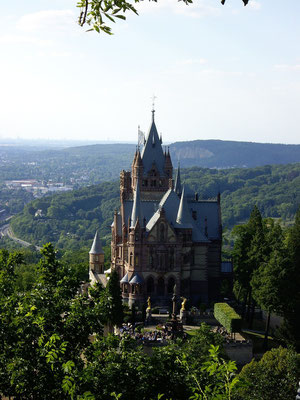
[(229, 154), (92, 164), (70, 219)]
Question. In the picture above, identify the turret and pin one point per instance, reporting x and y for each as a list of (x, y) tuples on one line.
[(137, 213), (96, 256), (184, 218), (168, 164), (177, 186), (137, 168)]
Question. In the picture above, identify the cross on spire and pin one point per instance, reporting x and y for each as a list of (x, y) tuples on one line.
[(153, 106)]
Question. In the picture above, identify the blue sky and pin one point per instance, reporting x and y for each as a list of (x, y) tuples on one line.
[(219, 72)]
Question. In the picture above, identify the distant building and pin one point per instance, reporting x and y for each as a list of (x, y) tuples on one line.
[(163, 234)]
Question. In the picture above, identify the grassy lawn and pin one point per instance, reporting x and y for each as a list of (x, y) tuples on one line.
[(258, 339)]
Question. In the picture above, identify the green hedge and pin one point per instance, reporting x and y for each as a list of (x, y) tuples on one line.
[(227, 317)]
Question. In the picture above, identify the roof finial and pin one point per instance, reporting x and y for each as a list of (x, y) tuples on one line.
[(153, 106)]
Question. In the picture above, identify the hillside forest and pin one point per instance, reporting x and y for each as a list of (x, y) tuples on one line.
[(69, 220)]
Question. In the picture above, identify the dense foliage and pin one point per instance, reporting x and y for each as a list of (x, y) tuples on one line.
[(46, 351), (275, 376), (266, 267), (70, 219), (13, 201)]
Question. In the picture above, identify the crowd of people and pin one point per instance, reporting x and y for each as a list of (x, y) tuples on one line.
[(161, 334)]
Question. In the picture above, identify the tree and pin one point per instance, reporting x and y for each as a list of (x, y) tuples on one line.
[(292, 283), (268, 282), (275, 376), (248, 253), (112, 301), (45, 331), (95, 12)]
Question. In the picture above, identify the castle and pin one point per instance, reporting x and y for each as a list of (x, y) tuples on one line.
[(162, 235)]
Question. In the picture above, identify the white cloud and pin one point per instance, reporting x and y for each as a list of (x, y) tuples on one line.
[(21, 39), (54, 20), (200, 8), (254, 5), (287, 67)]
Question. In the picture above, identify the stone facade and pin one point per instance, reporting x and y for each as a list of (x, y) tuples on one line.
[(163, 234)]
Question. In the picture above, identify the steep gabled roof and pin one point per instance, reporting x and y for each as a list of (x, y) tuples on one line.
[(96, 246), (125, 279), (169, 203), (136, 279), (153, 152), (137, 213), (177, 186), (184, 218)]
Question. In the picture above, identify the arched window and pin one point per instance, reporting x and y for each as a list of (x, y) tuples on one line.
[(161, 287), (171, 283), (150, 285), (131, 259)]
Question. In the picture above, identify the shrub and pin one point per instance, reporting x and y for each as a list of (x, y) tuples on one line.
[(227, 317)]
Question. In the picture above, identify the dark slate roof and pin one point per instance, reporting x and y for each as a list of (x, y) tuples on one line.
[(136, 279), (125, 279), (96, 246), (184, 216), (210, 210), (148, 209), (170, 203), (153, 152), (137, 212), (177, 186)]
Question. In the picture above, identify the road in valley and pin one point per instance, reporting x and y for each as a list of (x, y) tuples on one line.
[(5, 230)]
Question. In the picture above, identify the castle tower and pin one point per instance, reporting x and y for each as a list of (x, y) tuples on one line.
[(96, 258), (163, 235)]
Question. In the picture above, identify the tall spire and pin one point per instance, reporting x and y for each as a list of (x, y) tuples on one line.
[(152, 151), (184, 216), (136, 213), (96, 246), (177, 186)]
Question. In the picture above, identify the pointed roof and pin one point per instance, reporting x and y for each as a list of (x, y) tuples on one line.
[(177, 186), (136, 213), (96, 246), (125, 279), (184, 218), (153, 152), (136, 280)]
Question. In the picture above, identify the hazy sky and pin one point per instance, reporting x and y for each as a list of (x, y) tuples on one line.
[(219, 72)]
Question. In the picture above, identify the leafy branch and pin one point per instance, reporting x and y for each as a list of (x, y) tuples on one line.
[(98, 13)]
